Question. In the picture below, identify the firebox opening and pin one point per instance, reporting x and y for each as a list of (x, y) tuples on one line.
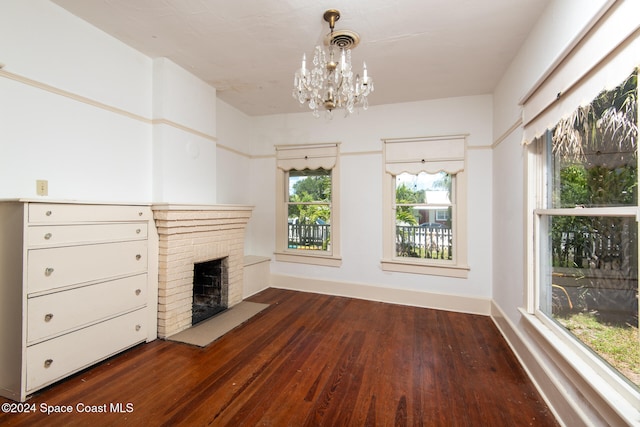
[(210, 289)]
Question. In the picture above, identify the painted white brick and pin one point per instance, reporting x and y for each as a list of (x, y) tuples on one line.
[(189, 235)]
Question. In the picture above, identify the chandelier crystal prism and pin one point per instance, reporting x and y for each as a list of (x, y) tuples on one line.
[(330, 83)]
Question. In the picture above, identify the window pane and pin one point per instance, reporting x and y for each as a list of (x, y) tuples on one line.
[(309, 210), (423, 215), (594, 160), (590, 285), (310, 185)]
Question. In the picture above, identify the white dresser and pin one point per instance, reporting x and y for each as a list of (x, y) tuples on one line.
[(78, 283)]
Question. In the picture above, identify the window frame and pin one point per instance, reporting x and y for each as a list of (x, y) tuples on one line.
[(426, 154), (601, 54), (590, 368), (300, 157)]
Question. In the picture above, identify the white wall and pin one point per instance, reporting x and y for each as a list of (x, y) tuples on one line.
[(235, 134), (184, 136), (361, 188), (234, 171), (71, 138), (97, 119), (561, 22)]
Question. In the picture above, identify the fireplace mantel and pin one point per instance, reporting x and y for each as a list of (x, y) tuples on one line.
[(189, 234), (190, 207)]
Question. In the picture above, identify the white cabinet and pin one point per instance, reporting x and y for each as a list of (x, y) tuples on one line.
[(78, 283)]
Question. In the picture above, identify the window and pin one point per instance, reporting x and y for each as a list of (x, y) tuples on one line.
[(425, 206), (443, 214), (586, 284), (307, 213), (580, 121), (419, 199), (309, 210)]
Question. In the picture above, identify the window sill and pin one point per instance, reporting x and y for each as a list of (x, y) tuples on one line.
[(448, 270), (314, 259), (620, 396)]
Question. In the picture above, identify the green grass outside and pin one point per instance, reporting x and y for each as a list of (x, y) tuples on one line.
[(618, 345)]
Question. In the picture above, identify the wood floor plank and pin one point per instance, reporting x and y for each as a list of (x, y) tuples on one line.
[(315, 360)]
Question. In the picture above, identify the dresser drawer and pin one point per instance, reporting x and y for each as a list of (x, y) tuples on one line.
[(52, 268), (59, 357), (51, 314), (59, 212), (55, 235)]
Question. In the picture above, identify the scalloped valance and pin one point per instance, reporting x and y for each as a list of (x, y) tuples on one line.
[(429, 154), (300, 157)]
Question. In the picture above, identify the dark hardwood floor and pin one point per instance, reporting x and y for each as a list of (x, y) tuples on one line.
[(310, 360)]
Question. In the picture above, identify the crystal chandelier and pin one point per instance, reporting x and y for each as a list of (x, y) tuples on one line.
[(331, 84)]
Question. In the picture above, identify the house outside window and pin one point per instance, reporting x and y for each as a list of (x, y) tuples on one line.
[(418, 200), (425, 206), (307, 213)]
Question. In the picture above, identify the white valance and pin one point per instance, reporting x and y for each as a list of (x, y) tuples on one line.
[(601, 60), (300, 157), (429, 154)]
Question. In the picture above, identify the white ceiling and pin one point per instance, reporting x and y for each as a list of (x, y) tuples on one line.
[(249, 50)]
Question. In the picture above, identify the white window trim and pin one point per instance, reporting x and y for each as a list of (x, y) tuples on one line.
[(313, 156), (412, 157), (619, 395)]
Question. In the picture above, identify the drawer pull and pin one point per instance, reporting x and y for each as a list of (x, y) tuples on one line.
[(48, 363), (47, 236), (138, 327), (48, 317), (138, 257), (138, 291), (48, 271), (139, 213), (138, 231), (48, 213)]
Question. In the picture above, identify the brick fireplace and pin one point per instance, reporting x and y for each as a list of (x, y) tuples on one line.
[(191, 234)]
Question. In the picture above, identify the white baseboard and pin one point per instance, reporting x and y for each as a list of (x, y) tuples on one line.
[(532, 366), (562, 389), (255, 275), (457, 303)]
